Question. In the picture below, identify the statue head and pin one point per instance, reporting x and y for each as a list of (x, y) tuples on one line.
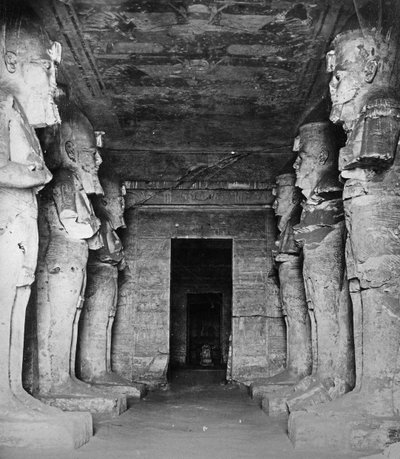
[(316, 165), (73, 146), (28, 65), (287, 197), (362, 64), (111, 206)]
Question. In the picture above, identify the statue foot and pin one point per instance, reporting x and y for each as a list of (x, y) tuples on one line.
[(363, 404), (285, 377), (13, 408), (110, 378), (24, 426), (362, 422), (33, 403), (314, 391), (75, 395), (74, 387)]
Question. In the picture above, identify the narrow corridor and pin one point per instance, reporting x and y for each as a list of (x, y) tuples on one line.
[(199, 422)]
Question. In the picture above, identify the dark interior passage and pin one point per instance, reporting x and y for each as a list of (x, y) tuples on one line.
[(204, 328), (201, 303)]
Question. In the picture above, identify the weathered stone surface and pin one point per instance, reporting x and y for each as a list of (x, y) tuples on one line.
[(67, 223), (146, 300), (250, 344), (26, 101), (322, 234), (101, 294), (341, 429), (67, 431), (274, 403), (97, 403), (366, 418), (197, 197), (391, 452)]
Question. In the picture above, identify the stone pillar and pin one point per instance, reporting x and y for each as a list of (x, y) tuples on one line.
[(68, 229), (274, 391), (322, 234), (364, 99), (26, 102), (95, 337)]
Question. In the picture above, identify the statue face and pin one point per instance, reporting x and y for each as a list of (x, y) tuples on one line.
[(306, 177), (111, 206), (362, 62), (346, 87), (79, 151), (30, 61), (315, 156), (89, 163), (284, 200)]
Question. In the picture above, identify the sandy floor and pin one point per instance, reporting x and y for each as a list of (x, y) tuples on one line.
[(214, 422)]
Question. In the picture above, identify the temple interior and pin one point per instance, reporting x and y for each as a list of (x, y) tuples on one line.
[(200, 229)]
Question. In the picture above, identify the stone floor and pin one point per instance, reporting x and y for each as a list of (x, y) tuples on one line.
[(198, 422)]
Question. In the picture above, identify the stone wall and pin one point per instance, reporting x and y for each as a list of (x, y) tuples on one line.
[(142, 328)]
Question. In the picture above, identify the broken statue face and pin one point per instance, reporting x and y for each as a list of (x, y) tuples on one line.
[(317, 158), (286, 198), (111, 206), (361, 64), (30, 63)]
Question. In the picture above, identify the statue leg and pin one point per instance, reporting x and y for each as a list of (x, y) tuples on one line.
[(24, 420), (94, 332), (299, 358), (275, 391), (374, 262), (327, 292), (95, 337), (75, 329), (366, 418), (59, 298)]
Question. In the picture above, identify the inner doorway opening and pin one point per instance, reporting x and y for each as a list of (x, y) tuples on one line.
[(201, 305), (204, 329)]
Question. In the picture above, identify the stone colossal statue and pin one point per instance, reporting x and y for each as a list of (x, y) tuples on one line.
[(322, 234), (365, 100), (68, 228), (100, 307), (28, 82), (288, 257)]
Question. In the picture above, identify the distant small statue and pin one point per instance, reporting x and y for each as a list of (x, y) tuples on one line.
[(205, 356)]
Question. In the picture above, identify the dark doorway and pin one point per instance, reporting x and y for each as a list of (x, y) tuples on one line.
[(201, 303), (204, 329)]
